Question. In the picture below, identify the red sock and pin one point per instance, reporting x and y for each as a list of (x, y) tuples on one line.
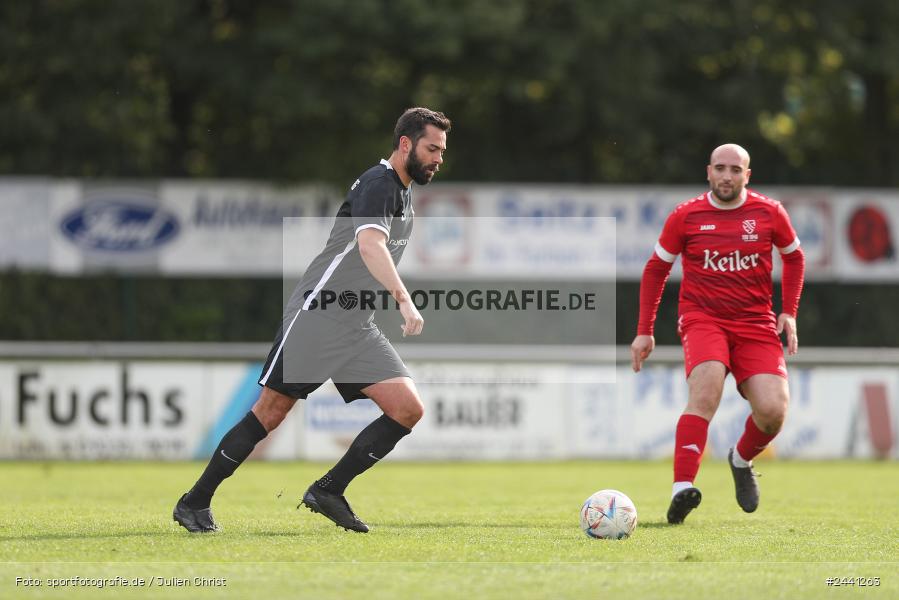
[(689, 443), (754, 440)]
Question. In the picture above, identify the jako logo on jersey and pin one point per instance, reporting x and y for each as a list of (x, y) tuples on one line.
[(119, 225), (398, 242), (706, 228), (353, 187), (729, 262), (749, 228)]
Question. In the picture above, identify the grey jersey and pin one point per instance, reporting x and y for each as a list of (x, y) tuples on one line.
[(337, 282)]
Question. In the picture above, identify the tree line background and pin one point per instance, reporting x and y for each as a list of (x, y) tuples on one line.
[(574, 91)]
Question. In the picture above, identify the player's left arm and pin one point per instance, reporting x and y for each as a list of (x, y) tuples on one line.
[(376, 256), (372, 210), (793, 258)]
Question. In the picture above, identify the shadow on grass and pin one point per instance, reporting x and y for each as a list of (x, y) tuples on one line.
[(82, 536), (655, 525), (453, 524), (39, 537)]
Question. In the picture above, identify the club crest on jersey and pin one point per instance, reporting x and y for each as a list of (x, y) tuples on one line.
[(749, 228)]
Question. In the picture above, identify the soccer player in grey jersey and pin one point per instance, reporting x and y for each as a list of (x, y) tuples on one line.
[(314, 343)]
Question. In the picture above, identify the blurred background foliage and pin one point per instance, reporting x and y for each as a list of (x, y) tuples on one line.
[(540, 90), (574, 91), (36, 306)]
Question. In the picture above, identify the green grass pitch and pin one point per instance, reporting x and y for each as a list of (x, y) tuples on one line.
[(443, 530)]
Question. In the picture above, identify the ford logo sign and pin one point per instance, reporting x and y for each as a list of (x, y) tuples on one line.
[(119, 226)]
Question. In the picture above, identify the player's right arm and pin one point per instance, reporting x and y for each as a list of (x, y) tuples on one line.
[(641, 348), (652, 284), (373, 250)]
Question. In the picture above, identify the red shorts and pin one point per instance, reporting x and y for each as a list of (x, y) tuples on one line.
[(746, 349)]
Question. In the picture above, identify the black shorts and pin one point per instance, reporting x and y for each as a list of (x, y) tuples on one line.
[(317, 348)]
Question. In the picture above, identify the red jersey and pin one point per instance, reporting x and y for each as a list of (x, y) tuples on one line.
[(726, 254)]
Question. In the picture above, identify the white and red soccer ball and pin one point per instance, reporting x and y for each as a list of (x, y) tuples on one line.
[(608, 515)]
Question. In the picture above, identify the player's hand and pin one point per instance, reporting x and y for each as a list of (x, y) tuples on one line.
[(414, 323), (641, 348), (787, 323)]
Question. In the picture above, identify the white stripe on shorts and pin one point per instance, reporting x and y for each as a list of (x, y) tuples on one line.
[(318, 287)]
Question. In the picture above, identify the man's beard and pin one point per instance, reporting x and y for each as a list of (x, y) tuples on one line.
[(734, 193), (417, 171)]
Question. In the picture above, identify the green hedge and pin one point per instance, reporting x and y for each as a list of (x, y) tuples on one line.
[(115, 308)]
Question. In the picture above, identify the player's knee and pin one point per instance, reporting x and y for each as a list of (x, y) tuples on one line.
[(709, 404), (409, 413), (414, 412), (704, 402), (270, 417), (770, 419), (704, 398), (272, 408)]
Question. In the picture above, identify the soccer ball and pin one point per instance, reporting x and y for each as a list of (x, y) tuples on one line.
[(608, 515)]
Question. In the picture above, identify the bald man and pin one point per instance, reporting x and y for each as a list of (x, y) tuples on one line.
[(726, 323)]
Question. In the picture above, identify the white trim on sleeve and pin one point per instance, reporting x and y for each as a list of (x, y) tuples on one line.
[(664, 254), (372, 226), (790, 248)]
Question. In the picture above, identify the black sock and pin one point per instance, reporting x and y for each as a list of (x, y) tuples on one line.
[(234, 448), (371, 445)]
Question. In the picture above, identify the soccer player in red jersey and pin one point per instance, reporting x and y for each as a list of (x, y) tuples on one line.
[(725, 238)]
